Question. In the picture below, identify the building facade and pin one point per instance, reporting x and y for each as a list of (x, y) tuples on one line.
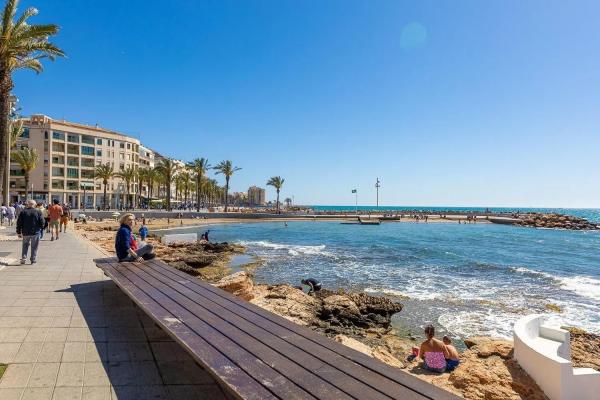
[(256, 196), (68, 155)]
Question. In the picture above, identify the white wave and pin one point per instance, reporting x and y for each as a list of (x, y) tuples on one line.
[(479, 323), (583, 286), (293, 250), (389, 292)]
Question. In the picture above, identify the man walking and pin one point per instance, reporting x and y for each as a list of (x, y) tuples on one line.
[(54, 212), (29, 223)]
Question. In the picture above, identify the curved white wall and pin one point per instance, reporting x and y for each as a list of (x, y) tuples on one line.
[(545, 353)]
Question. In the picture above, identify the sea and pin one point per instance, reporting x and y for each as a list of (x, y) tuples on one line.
[(467, 279)]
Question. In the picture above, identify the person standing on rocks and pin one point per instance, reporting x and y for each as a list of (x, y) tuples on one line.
[(29, 224), (313, 285)]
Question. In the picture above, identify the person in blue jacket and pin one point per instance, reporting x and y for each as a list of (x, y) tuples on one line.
[(143, 232), (126, 245)]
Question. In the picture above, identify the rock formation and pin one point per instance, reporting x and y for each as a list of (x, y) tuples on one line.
[(557, 221)]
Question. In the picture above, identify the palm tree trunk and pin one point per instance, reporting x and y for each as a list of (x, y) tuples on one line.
[(104, 198), (198, 179), (26, 184), (277, 201), (6, 86), (226, 193)]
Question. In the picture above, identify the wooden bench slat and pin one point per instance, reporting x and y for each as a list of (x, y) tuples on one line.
[(241, 384), (294, 371), (402, 378), (328, 370), (363, 381), (277, 383)]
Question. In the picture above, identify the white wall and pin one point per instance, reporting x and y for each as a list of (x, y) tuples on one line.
[(544, 353)]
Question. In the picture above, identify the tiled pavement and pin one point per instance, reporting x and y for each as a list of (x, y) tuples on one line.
[(67, 332)]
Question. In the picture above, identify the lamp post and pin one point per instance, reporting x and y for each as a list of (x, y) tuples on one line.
[(13, 100), (83, 202), (377, 186), (355, 191)]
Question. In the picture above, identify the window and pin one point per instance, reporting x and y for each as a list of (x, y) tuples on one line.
[(58, 171), (87, 150), (46, 146), (87, 162), (122, 167), (58, 160), (122, 145), (25, 134), (87, 139), (72, 173), (128, 157), (99, 142), (73, 138), (73, 161), (60, 147), (99, 153), (98, 186), (128, 146), (72, 149), (58, 135), (87, 173), (58, 184), (46, 135), (72, 185), (121, 156)]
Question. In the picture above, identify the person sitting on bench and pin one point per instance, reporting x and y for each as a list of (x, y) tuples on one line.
[(313, 284), (126, 245)]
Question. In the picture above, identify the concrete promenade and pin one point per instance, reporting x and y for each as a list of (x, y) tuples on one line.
[(67, 332)]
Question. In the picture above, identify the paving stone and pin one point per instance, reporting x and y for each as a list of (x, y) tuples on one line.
[(28, 352), (16, 376), (37, 393), (11, 394), (51, 352), (67, 393), (74, 352), (8, 352), (96, 393), (95, 374), (70, 374), (43, 375)]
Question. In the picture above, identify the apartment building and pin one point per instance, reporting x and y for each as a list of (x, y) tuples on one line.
[(68, 154), (256, 196)]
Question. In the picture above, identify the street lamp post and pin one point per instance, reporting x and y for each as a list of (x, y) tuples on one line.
[(377, 186)]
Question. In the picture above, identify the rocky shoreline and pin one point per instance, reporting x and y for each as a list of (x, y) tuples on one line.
[(363, 322), (555, 221)]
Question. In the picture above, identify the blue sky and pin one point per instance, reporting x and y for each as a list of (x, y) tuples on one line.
[(492, 103)]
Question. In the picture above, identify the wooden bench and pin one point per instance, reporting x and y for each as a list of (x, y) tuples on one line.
[(253, 353)]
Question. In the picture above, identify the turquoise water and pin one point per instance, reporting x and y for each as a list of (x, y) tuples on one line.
[(592, 214), (467, 279)]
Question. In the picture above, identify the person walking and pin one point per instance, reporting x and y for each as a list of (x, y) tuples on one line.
[(10, 215), (40, 207), (29, 223), (55, 212), (3, 211), (64, 218)]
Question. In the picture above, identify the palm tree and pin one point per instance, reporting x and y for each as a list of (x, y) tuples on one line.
[(227, 169), (22, 46), (288, 202), (167, 170), (142, 176), (277, 183), (151, 179), (128, 175), (27, 159), (198, 167), (185, 178), (104, 172), (16, 130)]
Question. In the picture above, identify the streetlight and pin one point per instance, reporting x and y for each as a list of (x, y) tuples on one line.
[(12, 100), (377, 186)]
